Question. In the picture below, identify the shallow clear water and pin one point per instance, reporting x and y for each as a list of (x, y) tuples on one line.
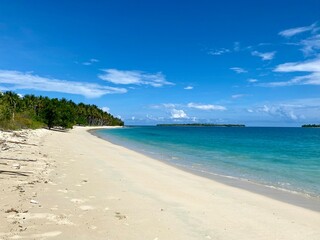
[(285, 158)]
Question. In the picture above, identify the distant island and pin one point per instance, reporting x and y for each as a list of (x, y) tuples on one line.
[(199, 125), (311, 126)]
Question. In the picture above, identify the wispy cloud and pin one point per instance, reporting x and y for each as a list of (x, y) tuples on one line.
[(279, 111), (169, 105), (90, 62), (294, 31), (306, 66), (178, 114), (236, 46), (252, 80), (164, 106), (238, 70), (219, 52), (311, 45), (236, 96), (15, 80), (264, 56), (206, 107), (311, 66), (295, 110), (310, 79), (188, 88), (134, 77)]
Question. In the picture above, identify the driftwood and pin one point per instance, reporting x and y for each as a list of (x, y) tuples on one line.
[(25, 174), (17, 159)]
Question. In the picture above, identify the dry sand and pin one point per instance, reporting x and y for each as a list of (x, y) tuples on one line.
[(73, 185)]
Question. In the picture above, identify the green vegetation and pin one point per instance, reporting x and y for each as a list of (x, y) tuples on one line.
[(311, 126), (200, 125), (34, 112)]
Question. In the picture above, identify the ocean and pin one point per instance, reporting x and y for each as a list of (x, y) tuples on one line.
[(283, 158)]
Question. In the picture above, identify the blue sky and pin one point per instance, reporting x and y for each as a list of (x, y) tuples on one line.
[(148, 62)]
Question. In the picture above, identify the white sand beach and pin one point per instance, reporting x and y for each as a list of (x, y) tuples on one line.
[(73, 185)]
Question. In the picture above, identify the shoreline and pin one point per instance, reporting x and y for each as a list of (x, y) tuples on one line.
[(295, 198), (85, 187)]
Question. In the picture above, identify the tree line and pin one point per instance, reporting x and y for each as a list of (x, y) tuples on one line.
[(311, 126), (32, 111)]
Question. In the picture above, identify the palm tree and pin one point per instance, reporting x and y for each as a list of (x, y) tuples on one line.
[(13, 100)]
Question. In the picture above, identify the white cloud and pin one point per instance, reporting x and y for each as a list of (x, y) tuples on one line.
[(188, 88), (164, 106), (280, 111), (310, 79), (236, 46), (294, 31), (264, 56), (311, 45), (238, 70), (134, 77), (105, 109), (235, 96), (206, 106), (294, 110), (252, 80), (219, 51), (169, 105), (177, 114), (90, 62), (304, 102), (15, 80), (306, 66), (311, 66)]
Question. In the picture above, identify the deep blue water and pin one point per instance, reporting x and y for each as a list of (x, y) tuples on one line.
[(285, 158)]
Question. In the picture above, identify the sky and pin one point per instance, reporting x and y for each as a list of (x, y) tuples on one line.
[(150, 61)]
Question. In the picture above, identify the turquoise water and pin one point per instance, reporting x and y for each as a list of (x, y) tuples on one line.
[(284, 158)]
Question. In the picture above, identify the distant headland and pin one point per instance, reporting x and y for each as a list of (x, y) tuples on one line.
[(311, 126), (199, 125)]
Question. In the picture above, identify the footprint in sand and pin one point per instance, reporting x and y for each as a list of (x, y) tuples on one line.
[(63, 191), (93, 227), (120, 216), (86, 207), (76, 200), (47, 234), (58, 219), (40, 235)]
